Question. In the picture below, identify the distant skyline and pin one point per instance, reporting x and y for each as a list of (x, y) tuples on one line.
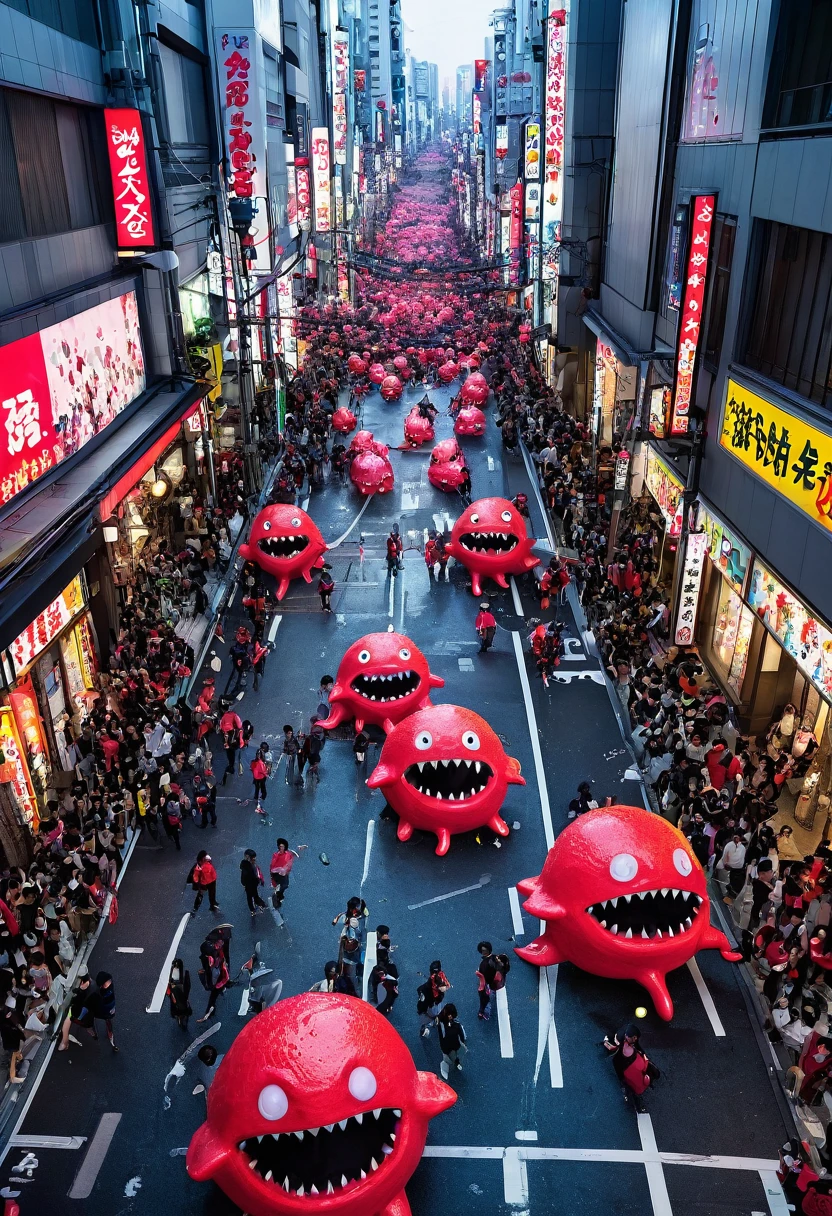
[(447, 32)]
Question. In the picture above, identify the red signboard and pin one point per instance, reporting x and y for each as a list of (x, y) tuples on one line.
[(480, 71), (360, 78), (516, 229), (131, 186), (690, 316), (304, 188)]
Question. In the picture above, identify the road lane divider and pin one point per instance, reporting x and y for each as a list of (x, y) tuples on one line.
[(158, 998)]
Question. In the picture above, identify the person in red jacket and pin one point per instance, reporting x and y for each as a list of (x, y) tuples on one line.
[(259, 773), (722, 766), (486, 627), (203, 877), (231, 729)]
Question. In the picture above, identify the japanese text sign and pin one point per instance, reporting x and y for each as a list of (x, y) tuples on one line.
[(532, 157), (690, 316), (128, 171), (785, 452), (320, 179), (554, 135), (45, 627), (243, 125), (341, 57), (695, 550), (807, 639), (19, 774), (667, 489), (304, 189)]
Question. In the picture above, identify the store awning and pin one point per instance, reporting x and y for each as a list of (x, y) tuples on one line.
[(138, 469), (47, 537), (602, 329)]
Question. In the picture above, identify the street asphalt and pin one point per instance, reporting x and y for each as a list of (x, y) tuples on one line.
[(540, 1125)]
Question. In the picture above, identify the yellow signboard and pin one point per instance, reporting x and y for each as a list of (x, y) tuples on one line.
[(787, 453)]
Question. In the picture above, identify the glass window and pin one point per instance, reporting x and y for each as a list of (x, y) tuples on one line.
[(75, 18), (186, 103), (787, 319), (722, 253), (800, 80)]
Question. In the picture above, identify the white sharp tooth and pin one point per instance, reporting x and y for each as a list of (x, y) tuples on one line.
[(259, 1139), (688, 923), (614, 929), (628, 898), (298, 1134), (457, 763), (603, 924), (420, 765), (387, 1149), (374, 1163), (604, 903), (659, 932), (252, 1164), (644, 933), (445, 763), (665, 890), (397, 1113), (363, 1175), (285, 1183), (330, 1189), (438, 795), (312, 1131), (393, 1137), (342, 1123), (343, 1180), (641, 894), (681, 928), (376, 1113), (359, 1119), (329, 1126), (313, 1190), (477, 766), (676, 892), (275, 1136), (451, 798), (434, 764), (629, 933), (300, 1190), (614, 902), (670, 933), (269, 1176)]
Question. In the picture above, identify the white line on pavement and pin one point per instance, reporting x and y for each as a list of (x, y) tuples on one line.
[(655, 1170), (437, 899), (243, 1010), (515, 596), (775, 1198), (491, 464), (368, 848), (525, 1135), (68, 1142), (94, 1158), (370, 960), (391, 606), (335, 543), (543, 792), (543, 1015), (273, 628), (614, 1156), (707, 999), (555, 1066), (504, 1023), (129, 949), (158, 998), (516, 1181), (516, 914)]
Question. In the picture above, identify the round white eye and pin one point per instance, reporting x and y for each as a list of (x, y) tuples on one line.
[(362, 1084), (295, 523), (682, 861), (364, 656), (424, 739), (267, 527), (475, 519), (272, 1102), (506, 515), (404, 653), (623, 867), (471, 741)]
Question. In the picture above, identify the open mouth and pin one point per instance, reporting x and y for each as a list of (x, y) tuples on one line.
[(324, 1160), (282, 546), (665, 912), (386, 688), (449, 780), (488, 542)]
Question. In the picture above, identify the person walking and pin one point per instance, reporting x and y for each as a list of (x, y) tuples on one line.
[(259, 774), (231, 729), (451, 1039), (203, 878), (291, 748), (486, 972), (632, 1067), (80, 1010), (733, 860), (280, 868), (251, 876), (215, 971), (171, 810), (103, 1005), (178, 993), (206, 805), (310, 752), (389, 981), (326, 586), (431, 994), (486, 627)]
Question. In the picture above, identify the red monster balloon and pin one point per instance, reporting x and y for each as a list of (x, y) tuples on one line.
[(445, 770), (362, 441), (447, 372), (446, 449), (382, 678), (356, 365), (401, 364), (470, 421), (473, 392), (623, 896), (391, 388), (448, 475), (344, 420), (371, 473), (490, 539), (286, 543), (377, 373), (417, 429), (317, 1108)]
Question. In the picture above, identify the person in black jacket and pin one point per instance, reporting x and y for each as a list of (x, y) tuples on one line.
[(252, 878), (451, 1040)]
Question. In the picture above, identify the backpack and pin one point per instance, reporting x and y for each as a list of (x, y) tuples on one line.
[(174, 814)]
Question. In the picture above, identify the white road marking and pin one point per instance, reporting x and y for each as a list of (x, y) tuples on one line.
[(504, 1023), (707, 999), (775, 1198), (66, 1142), (437, 899), (525, 1135), (335, 543), (555, 1066), (437, 519), (273, 628), (655, 1170), (515, 596), (491, 464), (243, 1010), (158, 998), (368, 848), (391, 601), (370, 960), (516, 914), (575, 652), (305, 506), (465, 664), (129, 949), (566, 677), (543, 1015), (543, 792), (614, 1156), (410, 502), (516, 1181), (94, 1158)]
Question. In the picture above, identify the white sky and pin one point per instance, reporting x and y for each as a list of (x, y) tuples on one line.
[(447, 32)]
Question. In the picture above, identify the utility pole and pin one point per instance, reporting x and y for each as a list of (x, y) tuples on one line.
[(241, 212)]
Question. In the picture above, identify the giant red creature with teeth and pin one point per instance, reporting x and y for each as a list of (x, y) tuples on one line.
[(490, 539), (382, 678), (623, 896), (317, 1108), (286, 543), (445, 770)]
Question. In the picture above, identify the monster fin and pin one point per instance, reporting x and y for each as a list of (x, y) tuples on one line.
[(206, 1153), (531, 561), (387, 725), (476, 585), (282, 587), (656, 985), (513, 773), (543, 906), (432, 1095), (540, 953), (498, 825), (435, 681), (500, 580), (246, 553), (307, 576), (319, 561), (337, 715), (397, 1207), (405, 830), (714, 939), (382, 774), (443, 842), (527, 886), (359, 725)]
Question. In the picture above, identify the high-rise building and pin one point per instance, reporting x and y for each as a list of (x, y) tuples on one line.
[(464, 79)]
